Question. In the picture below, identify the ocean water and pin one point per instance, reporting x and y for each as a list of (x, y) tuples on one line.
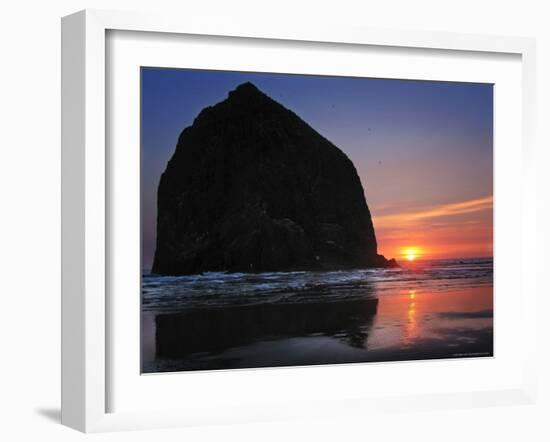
[(424, 310)]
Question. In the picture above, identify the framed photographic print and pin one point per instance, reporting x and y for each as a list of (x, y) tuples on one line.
[(261, 223)]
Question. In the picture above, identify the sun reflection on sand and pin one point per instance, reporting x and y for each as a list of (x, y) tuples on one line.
[(411, 327)]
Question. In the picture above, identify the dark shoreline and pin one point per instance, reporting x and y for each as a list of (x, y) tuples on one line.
[(219, 361), (440, 310), (267, 335)]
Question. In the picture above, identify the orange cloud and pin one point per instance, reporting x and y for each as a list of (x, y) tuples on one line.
[(452, 209), (436, 231)]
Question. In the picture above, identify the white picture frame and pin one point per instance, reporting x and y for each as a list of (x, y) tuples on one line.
[(85, 209)]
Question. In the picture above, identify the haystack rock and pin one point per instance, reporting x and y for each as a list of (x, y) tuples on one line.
[(251, 188)]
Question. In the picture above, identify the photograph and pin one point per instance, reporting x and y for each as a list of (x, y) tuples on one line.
[(300, 220)]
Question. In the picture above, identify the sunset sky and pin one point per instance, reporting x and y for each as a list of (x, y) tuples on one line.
[(423, 150)]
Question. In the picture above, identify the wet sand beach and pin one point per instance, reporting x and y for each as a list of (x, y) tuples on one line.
[(434, 310)]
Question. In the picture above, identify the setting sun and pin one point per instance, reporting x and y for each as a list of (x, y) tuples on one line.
[(411, 253)]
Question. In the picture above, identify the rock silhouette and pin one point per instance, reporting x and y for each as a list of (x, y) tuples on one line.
[(251, 187)]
